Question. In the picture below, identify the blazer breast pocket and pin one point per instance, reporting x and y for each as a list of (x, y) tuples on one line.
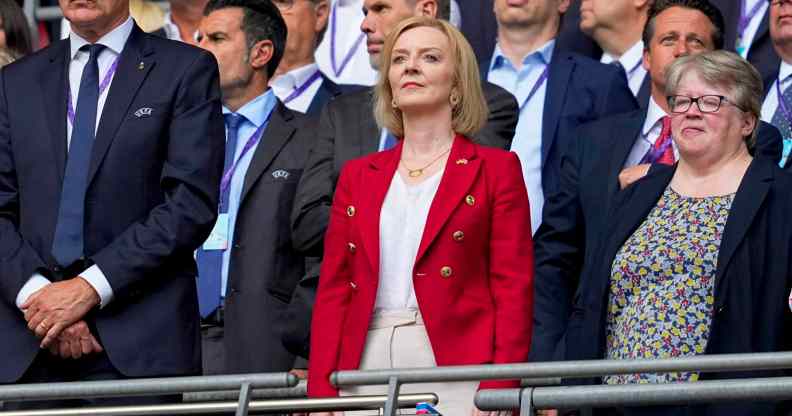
[(148, 111), (278, 175)]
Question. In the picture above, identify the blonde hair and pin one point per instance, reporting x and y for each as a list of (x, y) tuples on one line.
[(469, 115), (147, 15)]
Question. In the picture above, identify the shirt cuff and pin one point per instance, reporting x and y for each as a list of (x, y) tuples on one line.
[(36, 282), (94, 276)]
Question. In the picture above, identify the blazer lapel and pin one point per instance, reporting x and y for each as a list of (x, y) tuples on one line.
[(53, 83), (368, 131), (377, 180), (275, 136), (625, 133), (454, 187), (135, 63), (747, 201), (557, 83)]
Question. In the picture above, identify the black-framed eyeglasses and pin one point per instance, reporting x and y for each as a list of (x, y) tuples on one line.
[(287, 4), (779, 3), (680, 104)]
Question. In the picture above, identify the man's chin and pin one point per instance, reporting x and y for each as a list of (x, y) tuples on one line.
[(374, 60)]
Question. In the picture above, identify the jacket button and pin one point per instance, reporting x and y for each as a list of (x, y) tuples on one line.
[(352, 247), (470, 200), (446, 271), (353, 285), (458, 235), (351, 211)]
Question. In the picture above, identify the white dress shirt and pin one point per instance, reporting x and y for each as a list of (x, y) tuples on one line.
[(770, 104), (650, 132), (349, 16), (631, 61), (114, 42), (753, 26), (285, 84), (527, 141), (455, 16), (402, 220)]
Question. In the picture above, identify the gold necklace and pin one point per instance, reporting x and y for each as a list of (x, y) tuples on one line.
[(414, 173)]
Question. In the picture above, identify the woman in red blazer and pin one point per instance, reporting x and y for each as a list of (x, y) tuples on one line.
[(436, 229)]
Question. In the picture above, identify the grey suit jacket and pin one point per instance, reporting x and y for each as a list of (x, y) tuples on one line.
[(264, 267), (347, 130)]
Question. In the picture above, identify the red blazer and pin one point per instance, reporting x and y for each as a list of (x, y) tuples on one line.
[(473, 274)]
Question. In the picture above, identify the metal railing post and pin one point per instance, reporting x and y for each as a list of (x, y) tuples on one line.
[(244, 400), (29, 7), (526, 402), (393, 395)]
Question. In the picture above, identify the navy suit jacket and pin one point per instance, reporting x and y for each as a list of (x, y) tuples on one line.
[(761, 54), (753, 277), (574, 218), (579, 90), (327, 91), (151, 198)]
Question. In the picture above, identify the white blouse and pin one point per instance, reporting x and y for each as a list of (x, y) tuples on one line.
[(402, 222)]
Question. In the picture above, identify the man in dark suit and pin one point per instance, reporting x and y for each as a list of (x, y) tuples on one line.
[(298, 83), (747, 32), (347, 130), (479, 25), (575, 215), (110, 158), (248, 268), (557, 91)]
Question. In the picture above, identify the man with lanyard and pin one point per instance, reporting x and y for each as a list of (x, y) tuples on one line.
[(298, 82), (247, 268), (616, 26), (342, 55), (620, 147), (565, 89), (777, 106), (747, 32)]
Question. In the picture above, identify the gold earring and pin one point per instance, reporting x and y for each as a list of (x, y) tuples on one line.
[(393, 103), (454, 99)]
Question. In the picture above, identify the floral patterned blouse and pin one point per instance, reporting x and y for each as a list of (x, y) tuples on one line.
[(662, 282)]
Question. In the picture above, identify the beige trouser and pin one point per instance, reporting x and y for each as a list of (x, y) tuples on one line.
[(398, 339)]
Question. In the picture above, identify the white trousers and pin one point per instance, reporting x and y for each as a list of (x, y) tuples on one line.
[(398, 339)]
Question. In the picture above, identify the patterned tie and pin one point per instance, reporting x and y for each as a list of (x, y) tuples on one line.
[(67, 244), (210, 262), (663, 150), (781, 122)]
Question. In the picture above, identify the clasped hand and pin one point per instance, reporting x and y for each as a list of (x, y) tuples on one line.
[(55, 312)]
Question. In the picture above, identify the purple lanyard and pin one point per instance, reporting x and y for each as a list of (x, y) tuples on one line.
[(254, 138), (301, 89), (745, 19), (102, 87), (654, 154), (631, 72), (348, 57), (535, 88), (782, 102)]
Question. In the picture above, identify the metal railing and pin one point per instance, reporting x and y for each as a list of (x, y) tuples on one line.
[(280, 405), (565, 369)]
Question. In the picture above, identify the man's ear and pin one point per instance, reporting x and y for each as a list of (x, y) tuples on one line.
[(261, 53), (322, 10), (426, 8)]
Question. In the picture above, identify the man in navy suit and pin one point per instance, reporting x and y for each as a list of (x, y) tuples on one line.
[(556, 91), (606, 151), (111, 150)]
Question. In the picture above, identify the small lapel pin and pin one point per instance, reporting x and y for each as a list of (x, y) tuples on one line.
[(462, 161), (143, 112), (141, 65), (280, 173)]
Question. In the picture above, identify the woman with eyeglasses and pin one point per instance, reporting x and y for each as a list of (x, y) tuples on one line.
[(697, 258)]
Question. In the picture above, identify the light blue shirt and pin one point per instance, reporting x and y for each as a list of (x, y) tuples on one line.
[(527, 142), (256, 113)]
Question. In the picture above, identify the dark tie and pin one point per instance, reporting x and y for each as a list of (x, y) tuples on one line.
[(67, 245), (390, 141), (210, 262), (663, 149)]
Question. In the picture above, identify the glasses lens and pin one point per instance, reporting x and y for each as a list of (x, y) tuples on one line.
[(709, 103), (680, 104)]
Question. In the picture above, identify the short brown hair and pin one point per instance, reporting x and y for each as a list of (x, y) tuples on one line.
[(469, 115)]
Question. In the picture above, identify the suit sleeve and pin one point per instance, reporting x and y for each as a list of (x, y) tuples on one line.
[(18, 260), (502, 121), (618, 97), (333, 295), (559, 248), (189, 181), (511, 268), (314, 196)]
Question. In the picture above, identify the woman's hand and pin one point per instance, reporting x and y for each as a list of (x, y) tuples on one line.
[(477, 412)]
